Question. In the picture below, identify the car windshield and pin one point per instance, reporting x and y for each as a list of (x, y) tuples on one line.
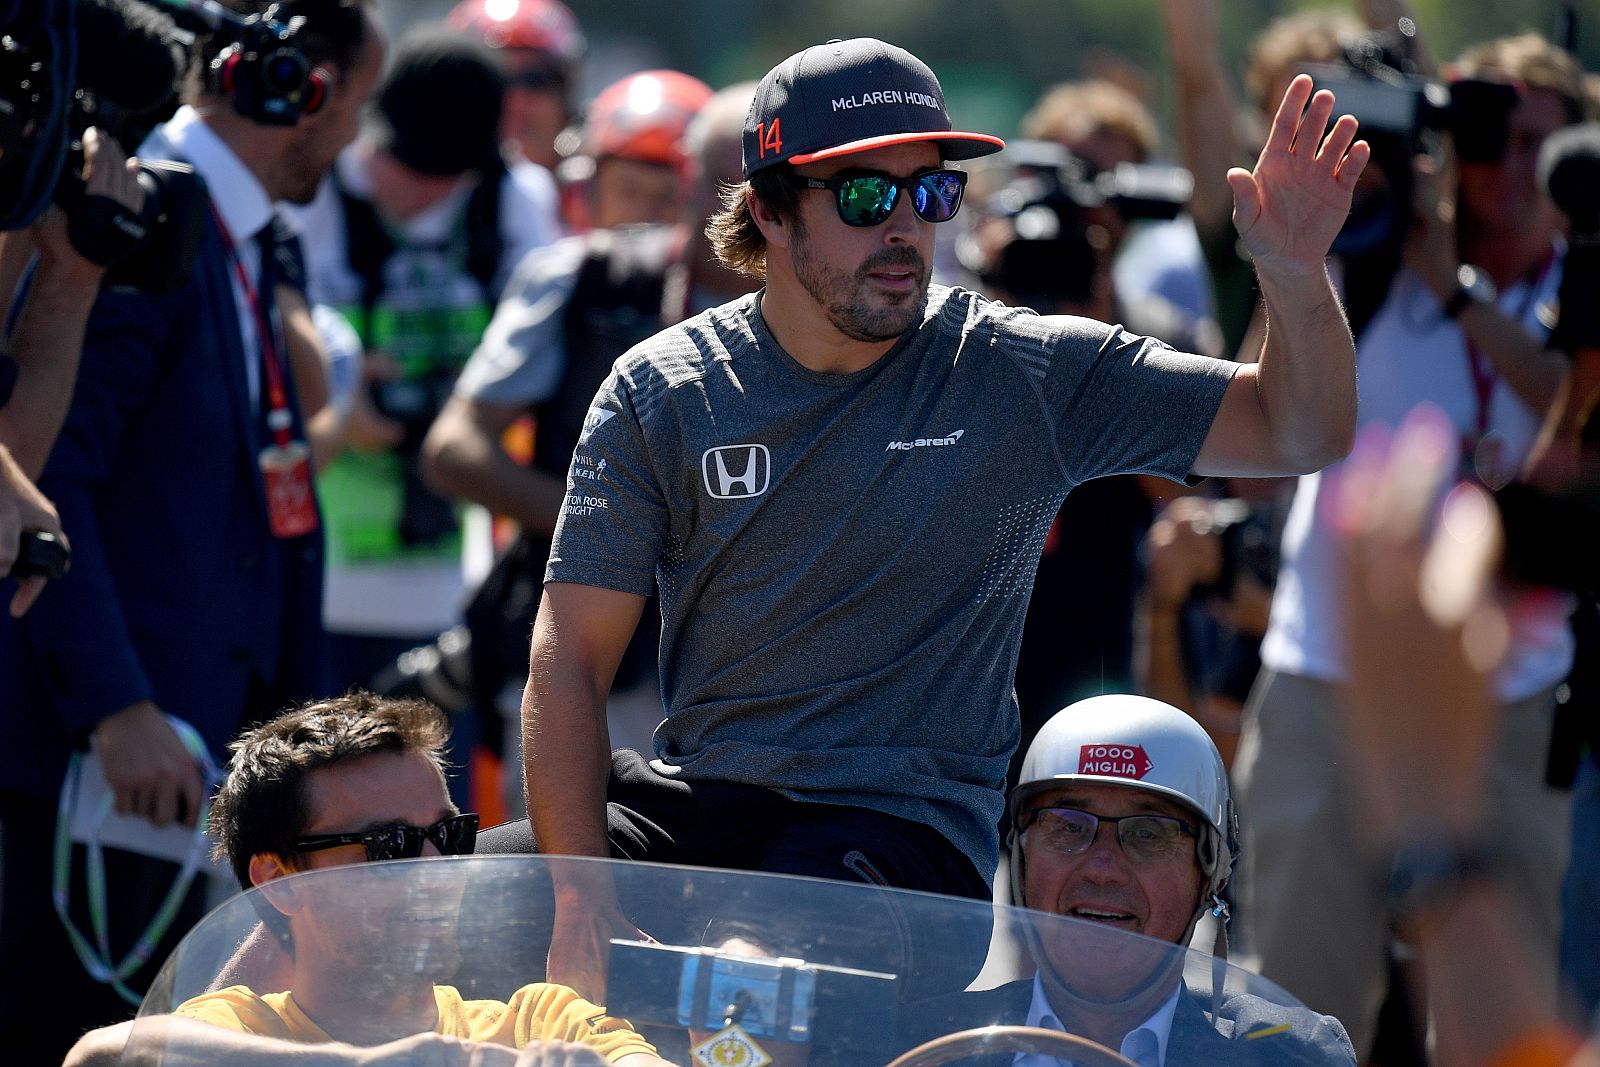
[(720, 967)]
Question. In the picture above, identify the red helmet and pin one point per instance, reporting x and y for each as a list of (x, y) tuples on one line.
[(643, 116), (545, 25)]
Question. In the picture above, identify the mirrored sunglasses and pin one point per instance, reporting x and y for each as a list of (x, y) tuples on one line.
[(869, 199)]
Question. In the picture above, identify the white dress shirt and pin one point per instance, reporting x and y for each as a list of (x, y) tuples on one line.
[(240, 200), (1145, 1044)]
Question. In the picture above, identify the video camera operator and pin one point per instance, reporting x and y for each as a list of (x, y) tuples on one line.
[(72, 206), (1466, 255), (181, 472)]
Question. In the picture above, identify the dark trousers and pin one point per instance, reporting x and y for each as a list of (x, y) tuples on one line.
[(47, 999), (730, 825)]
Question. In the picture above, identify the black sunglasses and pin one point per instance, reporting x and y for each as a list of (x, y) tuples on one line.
[(1070, 832), (456, 835), (869, 199)]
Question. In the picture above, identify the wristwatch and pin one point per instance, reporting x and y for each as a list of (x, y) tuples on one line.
[(1427, 873), (1473, 287)]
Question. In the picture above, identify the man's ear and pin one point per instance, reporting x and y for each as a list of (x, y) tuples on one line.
[(266, 870), (774, 227)]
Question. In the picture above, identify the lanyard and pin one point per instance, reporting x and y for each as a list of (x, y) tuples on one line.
[(279, 419), (1481, 367), (96, 957)]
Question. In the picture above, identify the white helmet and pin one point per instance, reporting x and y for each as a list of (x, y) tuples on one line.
[(1140, 743)]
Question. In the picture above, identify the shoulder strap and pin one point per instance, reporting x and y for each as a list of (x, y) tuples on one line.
[(367, 242), (485, 245)]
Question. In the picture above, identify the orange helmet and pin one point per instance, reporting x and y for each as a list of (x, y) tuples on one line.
[(545, 25), (643, 116)]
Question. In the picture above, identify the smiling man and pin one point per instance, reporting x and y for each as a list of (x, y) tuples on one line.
[(1122, 818), (841, 486)]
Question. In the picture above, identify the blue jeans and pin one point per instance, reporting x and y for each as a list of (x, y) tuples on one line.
[(1580, 893)]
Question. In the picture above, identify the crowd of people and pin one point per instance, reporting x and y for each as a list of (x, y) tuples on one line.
[(733, 520)]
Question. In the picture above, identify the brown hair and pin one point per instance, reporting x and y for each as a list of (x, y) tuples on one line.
[(733, 233), (1535, 62), (1290, 42), (261, 805), (1073, 111)]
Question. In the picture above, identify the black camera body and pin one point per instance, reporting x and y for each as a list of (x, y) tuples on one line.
[(1403, 114), (1050, 203), (264, 73)]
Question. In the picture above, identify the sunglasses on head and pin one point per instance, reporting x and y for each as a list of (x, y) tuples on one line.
[(869, 199), (456, 835)]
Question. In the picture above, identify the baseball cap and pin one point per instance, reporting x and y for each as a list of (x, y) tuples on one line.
[(843, 97), (438, 110)]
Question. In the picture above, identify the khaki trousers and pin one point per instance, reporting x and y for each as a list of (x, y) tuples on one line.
[(1310, 894)]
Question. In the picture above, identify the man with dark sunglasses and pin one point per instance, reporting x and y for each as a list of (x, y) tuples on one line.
[(1122, 818), (841, 486), (358, 779)]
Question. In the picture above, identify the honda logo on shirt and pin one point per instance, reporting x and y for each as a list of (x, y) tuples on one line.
[(734, 472)]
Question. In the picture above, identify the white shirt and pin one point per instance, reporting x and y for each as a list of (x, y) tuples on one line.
[(1145, 1044), (1408, 354), (240, 200), (529, 219)]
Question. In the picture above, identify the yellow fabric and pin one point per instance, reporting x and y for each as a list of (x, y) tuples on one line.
[(538, 1012)]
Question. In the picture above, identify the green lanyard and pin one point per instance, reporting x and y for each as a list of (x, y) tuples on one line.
[(96, 957)]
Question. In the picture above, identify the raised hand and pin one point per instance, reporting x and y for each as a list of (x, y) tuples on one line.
[(1423, 628), (1291, 206)]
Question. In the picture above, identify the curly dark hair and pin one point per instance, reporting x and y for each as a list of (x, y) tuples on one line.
[(261, 804)]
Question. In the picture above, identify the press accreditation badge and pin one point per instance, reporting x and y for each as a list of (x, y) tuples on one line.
[(731, 1048), (286, 473)]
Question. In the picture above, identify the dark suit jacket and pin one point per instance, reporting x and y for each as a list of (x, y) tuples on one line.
[(1315, 1041), (178, 591)]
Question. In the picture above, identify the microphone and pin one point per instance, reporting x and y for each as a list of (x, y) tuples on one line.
[(127, 54)]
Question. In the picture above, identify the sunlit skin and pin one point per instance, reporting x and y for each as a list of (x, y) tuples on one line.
[(1154, 898), (1505, 196), (532, 117), (335, 971), (1102, 987), (838, 297), (627, 192), (319, 138), (401, 193)]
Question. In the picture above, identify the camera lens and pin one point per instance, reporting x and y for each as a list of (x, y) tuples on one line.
[(284, 71)]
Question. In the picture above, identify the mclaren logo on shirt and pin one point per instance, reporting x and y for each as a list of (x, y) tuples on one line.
[(925, 442), (734, 472)]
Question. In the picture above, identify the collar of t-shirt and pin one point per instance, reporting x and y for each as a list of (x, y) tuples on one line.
[(240, 199), (1145, 1044)]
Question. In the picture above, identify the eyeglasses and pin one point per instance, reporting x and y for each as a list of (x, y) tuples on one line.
[(1070, 832), (868, 199), (453, 836)]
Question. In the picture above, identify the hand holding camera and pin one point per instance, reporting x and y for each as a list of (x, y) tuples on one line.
[(29, 525)]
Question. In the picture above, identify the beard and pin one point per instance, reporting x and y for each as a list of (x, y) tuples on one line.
[(854, 306)]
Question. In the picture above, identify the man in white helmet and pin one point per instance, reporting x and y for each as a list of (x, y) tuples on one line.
[(1147, 775)]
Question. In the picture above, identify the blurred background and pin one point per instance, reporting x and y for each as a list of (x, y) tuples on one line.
[(992, 58)]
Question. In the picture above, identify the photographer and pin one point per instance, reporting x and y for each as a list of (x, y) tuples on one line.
[(47, 332), (182, 475), (1451, 315)]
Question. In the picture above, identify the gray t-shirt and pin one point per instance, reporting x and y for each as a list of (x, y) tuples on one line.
[(844, 561)]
